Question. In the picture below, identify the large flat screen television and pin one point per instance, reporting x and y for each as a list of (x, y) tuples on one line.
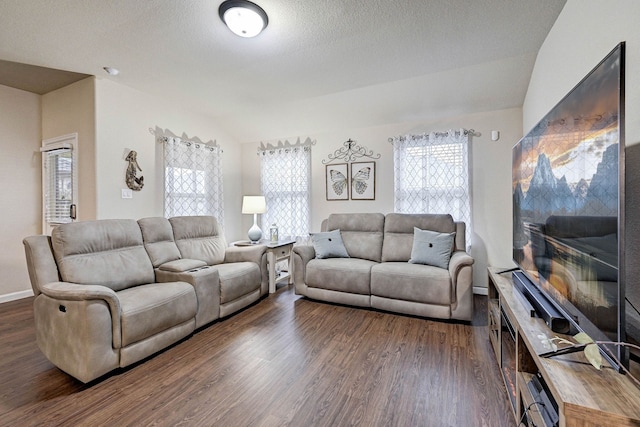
[(568, 205)]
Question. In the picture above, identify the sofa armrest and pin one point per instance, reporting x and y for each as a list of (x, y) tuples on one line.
[(458, 260), (302, 254), (41, 264), (306, 252), (244, 253), (75, 292), (255, 253), (461, 271)]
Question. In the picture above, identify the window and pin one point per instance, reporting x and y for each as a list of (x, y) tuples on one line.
[(192, 179), (59, 181), (432, 175), (286, 183)]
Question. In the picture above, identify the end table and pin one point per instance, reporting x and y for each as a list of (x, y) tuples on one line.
[(279, 251), (276, 251)]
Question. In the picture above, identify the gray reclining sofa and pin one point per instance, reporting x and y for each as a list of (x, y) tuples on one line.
[(109, 293), (377, 272)]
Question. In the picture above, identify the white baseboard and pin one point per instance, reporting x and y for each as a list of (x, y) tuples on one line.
[(16, 295), (480, 290)]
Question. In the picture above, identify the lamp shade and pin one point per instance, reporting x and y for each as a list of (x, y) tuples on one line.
[(253, 205)]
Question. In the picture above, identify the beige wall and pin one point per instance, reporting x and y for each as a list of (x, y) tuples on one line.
[(124, 117), (71, 109), (108, 118), (20, 175), (584, 33), (491, 177)]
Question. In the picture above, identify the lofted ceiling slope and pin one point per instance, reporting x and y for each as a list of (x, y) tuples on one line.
[(320, 65)]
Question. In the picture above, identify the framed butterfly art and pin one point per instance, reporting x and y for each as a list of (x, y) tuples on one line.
[(363, 181), (337, 177)]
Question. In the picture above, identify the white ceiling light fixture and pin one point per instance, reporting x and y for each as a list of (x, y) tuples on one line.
[(243, 17)]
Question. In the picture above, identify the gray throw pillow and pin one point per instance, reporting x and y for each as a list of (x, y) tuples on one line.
[(431, 248), (329, 245)]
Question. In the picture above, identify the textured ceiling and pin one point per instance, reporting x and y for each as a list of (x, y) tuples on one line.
[(317, 64)]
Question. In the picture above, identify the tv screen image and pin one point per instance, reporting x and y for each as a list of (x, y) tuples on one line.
[(568, 203)]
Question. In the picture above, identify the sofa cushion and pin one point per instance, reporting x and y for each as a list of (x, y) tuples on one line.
[(431, 248), (398, 232), (411, 282), (90, 252), (329, 245), (157, 236), (199, 237), (361, 233), (237, 279), (340, 274), (153, 308)]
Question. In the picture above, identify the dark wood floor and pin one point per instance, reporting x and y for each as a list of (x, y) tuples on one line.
[(284, 361)]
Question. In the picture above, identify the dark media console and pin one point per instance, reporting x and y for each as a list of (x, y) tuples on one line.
[(555, 390), (543, 308)]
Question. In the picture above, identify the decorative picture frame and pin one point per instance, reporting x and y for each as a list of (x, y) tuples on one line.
[(363, 181), (337, 181)]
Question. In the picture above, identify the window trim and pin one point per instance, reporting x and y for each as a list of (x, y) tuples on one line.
[(69, 141)]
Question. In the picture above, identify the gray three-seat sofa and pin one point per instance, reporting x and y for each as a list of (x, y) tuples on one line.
[(378, 273)]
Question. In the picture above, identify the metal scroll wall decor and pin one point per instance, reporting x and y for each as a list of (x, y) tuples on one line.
[(348, 178), (133, 182)]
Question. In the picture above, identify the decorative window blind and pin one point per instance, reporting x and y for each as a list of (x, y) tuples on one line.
[(432, 175), (58, 185), (286, 182), (192, 179)]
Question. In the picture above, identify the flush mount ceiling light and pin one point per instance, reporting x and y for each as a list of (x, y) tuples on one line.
[(244, 18)]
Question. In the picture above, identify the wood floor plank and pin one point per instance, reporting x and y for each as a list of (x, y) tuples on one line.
[(285, 361)]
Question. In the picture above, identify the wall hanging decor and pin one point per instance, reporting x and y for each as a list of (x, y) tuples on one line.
[(337, 181), (363, 181), (133, 182), (355, 178), (349, 152)]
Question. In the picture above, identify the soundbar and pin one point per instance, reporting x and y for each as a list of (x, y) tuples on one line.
[(547, 311)]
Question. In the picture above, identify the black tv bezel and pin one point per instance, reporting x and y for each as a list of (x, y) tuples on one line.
[(619, 352)]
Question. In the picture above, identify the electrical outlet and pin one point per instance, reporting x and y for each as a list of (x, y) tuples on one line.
[(127, 193)]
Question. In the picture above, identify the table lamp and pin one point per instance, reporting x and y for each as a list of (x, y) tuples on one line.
[(254, 205)]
